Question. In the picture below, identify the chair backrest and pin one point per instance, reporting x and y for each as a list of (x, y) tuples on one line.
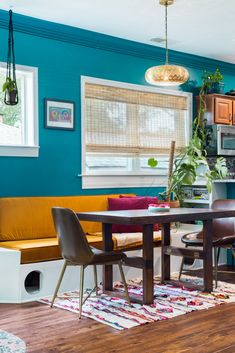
[(223, 227), (72, 239)]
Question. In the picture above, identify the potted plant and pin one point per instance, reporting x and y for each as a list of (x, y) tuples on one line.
[(10, 85), (188, 162), (213, 82), (11, 92)]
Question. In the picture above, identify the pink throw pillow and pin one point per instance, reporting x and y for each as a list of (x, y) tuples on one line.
[(130, 203)]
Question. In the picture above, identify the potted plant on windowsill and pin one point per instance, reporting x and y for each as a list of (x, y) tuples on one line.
[(185, 169), (11, 92)]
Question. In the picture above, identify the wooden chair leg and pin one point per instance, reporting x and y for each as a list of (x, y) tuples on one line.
[(216, 267), (95, 279), (81, 290), (124, 282), (59, 282)]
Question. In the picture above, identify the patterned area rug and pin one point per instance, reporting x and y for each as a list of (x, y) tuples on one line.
[(170, 301), (10, 343)]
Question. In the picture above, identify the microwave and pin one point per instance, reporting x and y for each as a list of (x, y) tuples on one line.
[(222, 140)]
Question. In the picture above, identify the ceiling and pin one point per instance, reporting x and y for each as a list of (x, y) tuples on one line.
[(202, 27)]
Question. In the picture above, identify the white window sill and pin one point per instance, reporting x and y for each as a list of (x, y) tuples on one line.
[(19, 151), (121, 181)]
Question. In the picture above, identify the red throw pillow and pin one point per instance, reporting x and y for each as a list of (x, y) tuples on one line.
[(130, 203), (147, 199)]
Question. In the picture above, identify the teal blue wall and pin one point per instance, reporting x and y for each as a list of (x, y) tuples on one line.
[(62, 54)]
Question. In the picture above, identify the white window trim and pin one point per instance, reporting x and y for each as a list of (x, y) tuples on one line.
[(25, 150), (106, 180)]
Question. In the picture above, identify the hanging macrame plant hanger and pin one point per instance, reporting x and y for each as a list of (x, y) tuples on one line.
[(10, 85)]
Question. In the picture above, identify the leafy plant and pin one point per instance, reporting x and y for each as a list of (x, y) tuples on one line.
[(199, 123), (210, 78), (186, 165), (9, 85)]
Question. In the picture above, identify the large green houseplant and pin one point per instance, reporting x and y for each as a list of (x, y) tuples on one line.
[(187, 163)]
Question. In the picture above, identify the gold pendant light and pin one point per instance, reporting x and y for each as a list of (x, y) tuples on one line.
[(166, 75)]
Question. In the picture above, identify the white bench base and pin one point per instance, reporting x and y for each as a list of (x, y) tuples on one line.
[(13, 274)]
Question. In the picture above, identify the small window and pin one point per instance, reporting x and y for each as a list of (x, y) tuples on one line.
[(124, 125), (19, 123)]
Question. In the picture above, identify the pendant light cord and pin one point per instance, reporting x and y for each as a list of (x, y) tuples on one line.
[(166, 33)]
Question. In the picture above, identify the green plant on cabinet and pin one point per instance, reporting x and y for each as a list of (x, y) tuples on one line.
[(187, 163)]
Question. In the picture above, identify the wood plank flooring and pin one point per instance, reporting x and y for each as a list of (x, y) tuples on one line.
[(48, 330)]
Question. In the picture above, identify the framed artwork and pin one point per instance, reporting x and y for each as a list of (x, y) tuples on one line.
[(59, 114)]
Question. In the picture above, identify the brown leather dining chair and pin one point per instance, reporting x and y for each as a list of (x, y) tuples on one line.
[(223, 236), (76, 252)]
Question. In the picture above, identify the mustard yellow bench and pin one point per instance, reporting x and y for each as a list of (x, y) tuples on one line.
[(26, 225)]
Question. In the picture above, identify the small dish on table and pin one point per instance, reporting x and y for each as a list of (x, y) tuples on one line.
[(159, 207)]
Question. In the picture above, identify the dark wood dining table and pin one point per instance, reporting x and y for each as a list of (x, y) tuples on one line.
[(147, 220)]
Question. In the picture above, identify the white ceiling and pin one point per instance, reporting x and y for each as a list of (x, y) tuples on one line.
[(202, 27)]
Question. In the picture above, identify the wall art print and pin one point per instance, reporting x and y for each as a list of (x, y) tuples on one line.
[(59, 114)]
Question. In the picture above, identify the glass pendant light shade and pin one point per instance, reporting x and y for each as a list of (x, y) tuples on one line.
[(166, 75)]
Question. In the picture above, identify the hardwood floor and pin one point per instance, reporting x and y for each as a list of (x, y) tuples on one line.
[(48, 330)]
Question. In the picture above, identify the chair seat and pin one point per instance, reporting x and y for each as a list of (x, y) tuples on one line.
[(196, 239), (193, 239), (225, 241), (101, 257)]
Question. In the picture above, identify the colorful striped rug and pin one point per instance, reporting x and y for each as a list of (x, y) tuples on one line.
[(170, 301)]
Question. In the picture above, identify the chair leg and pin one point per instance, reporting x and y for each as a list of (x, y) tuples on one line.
[(124, 282), (182, 266), (233, 254), (81, 291), (216, 267), (59, 282), (95, 279), (218, 254)]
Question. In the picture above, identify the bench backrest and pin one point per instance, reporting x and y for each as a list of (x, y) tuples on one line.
[(30, 217)]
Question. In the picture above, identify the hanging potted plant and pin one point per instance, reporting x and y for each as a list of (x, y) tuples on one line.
[(11, 92), (10, 85)]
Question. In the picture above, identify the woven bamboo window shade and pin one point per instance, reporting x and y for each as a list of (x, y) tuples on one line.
[(126, 121)]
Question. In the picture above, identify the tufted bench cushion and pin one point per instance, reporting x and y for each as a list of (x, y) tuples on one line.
[(129, 241)]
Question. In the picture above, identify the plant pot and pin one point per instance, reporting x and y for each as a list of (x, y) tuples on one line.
[(174, 204), (217, 87), (11, 97)]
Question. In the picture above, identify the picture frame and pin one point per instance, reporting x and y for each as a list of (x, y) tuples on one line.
[(59, 114)]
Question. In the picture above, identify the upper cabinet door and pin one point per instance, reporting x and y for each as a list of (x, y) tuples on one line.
[(223, 111), (233, 112)]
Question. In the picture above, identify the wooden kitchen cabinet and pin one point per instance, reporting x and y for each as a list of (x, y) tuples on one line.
[(223, 112), (220, 109), (234, 112)]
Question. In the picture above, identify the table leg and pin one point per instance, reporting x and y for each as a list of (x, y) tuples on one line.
[(207, 248), (107, 246), (166, 259), (148, 264)]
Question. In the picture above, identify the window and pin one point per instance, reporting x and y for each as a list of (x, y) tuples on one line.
[(124, 125), (19, 123)]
